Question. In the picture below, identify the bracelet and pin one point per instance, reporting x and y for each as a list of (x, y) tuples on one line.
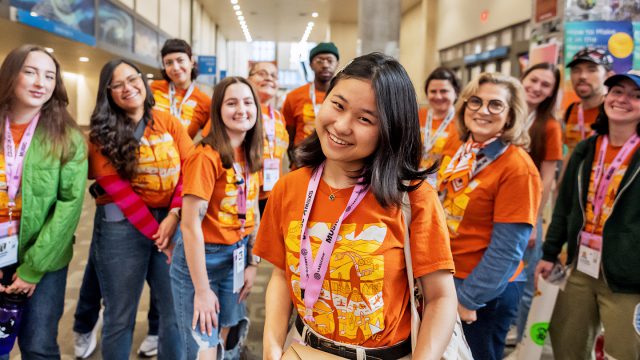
[(177, 212)]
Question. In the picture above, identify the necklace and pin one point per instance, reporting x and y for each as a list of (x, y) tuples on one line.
[(332, 196)]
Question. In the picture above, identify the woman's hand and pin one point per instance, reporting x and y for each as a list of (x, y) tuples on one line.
[(544, 268), (167, 228), (466, 315), (20, 286), (205, 311), (249, 277), (532, 238)]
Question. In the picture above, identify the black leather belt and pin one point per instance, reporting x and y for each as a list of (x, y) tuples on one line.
[(392, 352)]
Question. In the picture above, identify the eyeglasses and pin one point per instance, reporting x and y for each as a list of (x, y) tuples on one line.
[(131, 80), (265, 74), (495, 107)]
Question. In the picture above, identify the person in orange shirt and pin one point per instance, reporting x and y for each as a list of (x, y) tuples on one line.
[(213, 268), (589, 68), (436, 122), (596, 217), (302, 104), (263, 76), (177, 94), (365, 147), (541, 82), (490, 190), (43, 168), (135, 156)]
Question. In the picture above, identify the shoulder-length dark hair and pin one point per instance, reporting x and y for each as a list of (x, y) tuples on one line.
[(397, 156), (218, 138), (111, 128), (443, 73), (55, 120), (544, 112)]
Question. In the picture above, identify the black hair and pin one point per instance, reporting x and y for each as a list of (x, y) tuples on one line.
[(443, 73), (601, 125), (396, 160), (177, 46), (111, 128)]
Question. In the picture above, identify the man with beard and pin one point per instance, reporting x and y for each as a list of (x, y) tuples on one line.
[(302, 104), (589, 69)]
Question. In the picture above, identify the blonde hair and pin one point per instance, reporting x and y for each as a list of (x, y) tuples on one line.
[(514, 131)]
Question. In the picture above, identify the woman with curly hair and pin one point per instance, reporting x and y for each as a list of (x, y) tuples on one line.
[(135, 156), (39, 211)]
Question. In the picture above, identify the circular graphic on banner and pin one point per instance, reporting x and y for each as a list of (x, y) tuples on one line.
[(539, 333), (586, 4), (620, 45)]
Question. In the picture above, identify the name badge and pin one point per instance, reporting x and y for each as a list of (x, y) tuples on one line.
[(238, 269), (8, 244), (590, 254), (270, 173)]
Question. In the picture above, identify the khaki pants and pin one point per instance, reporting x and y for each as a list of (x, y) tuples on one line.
[(581, 308)]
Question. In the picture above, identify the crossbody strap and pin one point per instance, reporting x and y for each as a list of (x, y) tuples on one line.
[(415, 317)]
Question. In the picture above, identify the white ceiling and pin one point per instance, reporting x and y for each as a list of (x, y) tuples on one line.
[(284, 20)]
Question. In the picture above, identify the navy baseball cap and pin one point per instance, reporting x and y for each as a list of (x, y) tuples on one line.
[(615, 79)]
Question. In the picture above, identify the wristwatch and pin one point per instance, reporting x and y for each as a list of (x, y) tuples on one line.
[(255, 260)]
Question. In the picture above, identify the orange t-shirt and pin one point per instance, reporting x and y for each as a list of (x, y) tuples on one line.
[(206, 178), (277, 150), (163, 146), (553, 138), (365, 295), (508, 190), (612, 190), (17, 130), (195, 111), (298, 111), (428, 158), (572, 132)]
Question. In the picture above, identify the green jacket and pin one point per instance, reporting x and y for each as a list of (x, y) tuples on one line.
[(52, 196), (621, 232)]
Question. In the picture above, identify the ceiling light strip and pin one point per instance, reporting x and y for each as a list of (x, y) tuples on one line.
[(241, 20)]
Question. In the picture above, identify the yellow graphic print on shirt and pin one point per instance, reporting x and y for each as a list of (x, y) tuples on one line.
[(309, 118), (351, 295), (454, 207), (428, 158), (607, 205), (228, 214), (282, 139), (158, 167), (573, 135), (163, 103), (4, 195)]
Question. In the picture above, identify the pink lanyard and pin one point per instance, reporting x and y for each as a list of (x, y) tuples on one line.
[(311, 285), (243, 188), (581, 121), (270, 130), (600, 182), (14, 159)]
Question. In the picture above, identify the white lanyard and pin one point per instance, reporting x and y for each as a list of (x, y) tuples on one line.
[(430, 140), (312, 96), (174, 108), (530, 119)]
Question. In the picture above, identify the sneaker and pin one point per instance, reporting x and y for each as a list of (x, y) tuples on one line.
[(512, 336), (85, 344), (149, 346)]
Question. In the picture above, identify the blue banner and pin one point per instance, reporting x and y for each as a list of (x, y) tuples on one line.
[(206, 65), (615, 37)]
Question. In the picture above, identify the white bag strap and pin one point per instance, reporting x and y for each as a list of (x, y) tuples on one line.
[(415, 317)]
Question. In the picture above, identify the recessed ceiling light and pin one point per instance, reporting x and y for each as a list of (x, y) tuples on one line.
[(240, 18), (83, 59), (236, 7), (314, 14), (149, 76), (48, 49), (238, 12), (234, 2), (310, 23)]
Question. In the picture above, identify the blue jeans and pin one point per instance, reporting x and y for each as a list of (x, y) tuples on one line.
[(486, 336), (531, 258), (219, 263), (124, 258), (38, 334), (88, 307)]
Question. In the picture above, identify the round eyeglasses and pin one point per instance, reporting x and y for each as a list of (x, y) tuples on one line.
[(495, 107)]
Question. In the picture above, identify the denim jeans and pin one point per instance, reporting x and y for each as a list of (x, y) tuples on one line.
[(486, 336), (89, 303), (531, 258), (124, 258), (219, 263), (38, 334)]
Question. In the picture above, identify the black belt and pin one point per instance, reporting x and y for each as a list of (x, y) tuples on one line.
[(392, 352)]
